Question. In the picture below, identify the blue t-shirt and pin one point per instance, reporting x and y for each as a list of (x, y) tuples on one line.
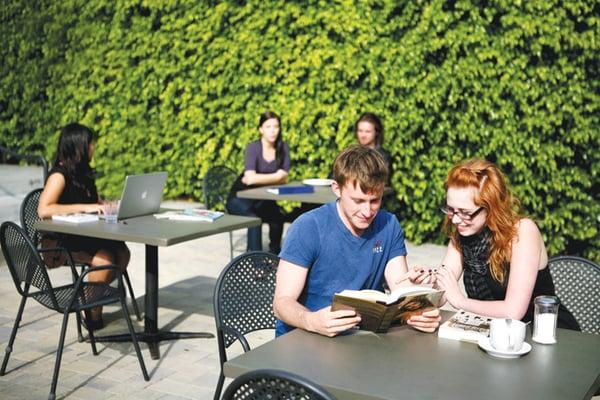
[(336, 259)]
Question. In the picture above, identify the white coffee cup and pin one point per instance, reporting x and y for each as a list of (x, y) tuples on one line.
[(507, 334)]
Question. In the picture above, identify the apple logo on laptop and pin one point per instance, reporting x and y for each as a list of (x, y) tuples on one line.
[(144, 194)]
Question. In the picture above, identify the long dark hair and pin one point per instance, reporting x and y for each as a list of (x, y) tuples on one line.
[(376, 122), (72, 152), (279, 141)]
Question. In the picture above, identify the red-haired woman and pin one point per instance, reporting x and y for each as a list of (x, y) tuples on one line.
[(500, 252)]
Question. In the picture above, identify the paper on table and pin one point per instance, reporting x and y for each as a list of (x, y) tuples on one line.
[(75, 218)]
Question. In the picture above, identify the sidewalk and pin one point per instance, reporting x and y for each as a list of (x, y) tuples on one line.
[(188, 369)]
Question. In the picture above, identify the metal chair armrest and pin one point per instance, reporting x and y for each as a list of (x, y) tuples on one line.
[(231, 331)]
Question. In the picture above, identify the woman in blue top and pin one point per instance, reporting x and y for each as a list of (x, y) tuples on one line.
[(267, 162)]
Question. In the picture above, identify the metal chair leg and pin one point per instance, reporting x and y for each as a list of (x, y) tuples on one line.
[(219, 387), (132, 295), (59, 351), (13, 335), (80, 337), (230, 245), (136, 345), (92, 341)]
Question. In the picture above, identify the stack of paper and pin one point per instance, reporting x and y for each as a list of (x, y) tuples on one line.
[(75, 218)]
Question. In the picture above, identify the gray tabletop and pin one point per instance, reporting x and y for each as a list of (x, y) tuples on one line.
[(406, 364), (149, 230), (321, 195)]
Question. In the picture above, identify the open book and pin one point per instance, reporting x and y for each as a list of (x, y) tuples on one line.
[(190, 214), (465, 326), (77, 218), (379, 310)]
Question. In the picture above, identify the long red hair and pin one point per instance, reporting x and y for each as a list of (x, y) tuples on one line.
[(494, 195)]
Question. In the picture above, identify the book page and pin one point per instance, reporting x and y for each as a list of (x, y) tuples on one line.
[(366, 294), (409, 290)]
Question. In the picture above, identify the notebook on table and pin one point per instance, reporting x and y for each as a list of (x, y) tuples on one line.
[(142, 195)]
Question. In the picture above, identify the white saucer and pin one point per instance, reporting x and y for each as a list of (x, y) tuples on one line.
[(484, 343), (317, 182)]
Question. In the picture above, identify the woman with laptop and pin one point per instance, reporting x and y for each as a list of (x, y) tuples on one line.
[(267, 162), (71, 188)]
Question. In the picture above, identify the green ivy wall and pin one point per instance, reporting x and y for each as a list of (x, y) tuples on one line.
[(178, 86)]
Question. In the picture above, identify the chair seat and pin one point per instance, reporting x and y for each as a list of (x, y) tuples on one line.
[(94, 295)]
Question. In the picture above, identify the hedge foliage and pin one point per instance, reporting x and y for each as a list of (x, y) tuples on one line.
[(178, 86)]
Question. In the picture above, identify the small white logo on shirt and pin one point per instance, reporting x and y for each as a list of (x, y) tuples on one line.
[(377, 247)]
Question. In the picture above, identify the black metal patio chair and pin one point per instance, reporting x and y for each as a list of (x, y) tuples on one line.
[(243, 302), (31, 279), (577, 283), (29, 216), (216, 185), (274, 385)]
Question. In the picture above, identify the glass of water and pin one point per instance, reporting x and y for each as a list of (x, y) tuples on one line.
[(111, 209)]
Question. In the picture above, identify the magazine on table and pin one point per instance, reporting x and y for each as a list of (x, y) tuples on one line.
[(191, 214), (465, 326)]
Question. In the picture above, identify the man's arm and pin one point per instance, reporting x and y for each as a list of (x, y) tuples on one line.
[(395, 270), (290, 282)]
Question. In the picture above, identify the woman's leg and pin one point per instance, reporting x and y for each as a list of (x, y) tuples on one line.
[(116, 253), (246, 207), (271, 213)]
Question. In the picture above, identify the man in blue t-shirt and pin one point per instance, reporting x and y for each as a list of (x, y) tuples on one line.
[(346, 244)]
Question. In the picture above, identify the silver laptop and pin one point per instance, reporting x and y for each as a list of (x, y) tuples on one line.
[(142, 195)]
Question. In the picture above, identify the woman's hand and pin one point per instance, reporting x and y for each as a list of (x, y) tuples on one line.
[(449, 283), (93, 208), (422, 275)]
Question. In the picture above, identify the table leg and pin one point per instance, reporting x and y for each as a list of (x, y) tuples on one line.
[(151, 335), (151, 302)]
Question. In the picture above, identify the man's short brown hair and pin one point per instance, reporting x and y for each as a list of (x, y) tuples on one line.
[(362, 165)]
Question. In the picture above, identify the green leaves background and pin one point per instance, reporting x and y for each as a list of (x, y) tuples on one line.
[(178, 86)]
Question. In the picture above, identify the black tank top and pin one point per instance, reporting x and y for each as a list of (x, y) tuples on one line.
[(480, 285), (79, 188)]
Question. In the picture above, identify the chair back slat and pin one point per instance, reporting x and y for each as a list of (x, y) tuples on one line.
[(216, 185), (274, 384), (25, 265), (244, 294), (29, 215), (577, 283)]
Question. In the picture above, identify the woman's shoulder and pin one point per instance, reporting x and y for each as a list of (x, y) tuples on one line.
[(527, 224), (58, 169), (254, 144), (526, 227)]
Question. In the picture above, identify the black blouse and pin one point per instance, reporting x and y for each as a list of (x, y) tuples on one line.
[(79, 188), (480, 285)]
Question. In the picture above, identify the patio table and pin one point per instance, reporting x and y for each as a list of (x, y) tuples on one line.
[(408, 364), (321, 195), (153, 233)]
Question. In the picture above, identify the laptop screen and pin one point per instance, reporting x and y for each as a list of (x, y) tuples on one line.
[(142, 195)]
